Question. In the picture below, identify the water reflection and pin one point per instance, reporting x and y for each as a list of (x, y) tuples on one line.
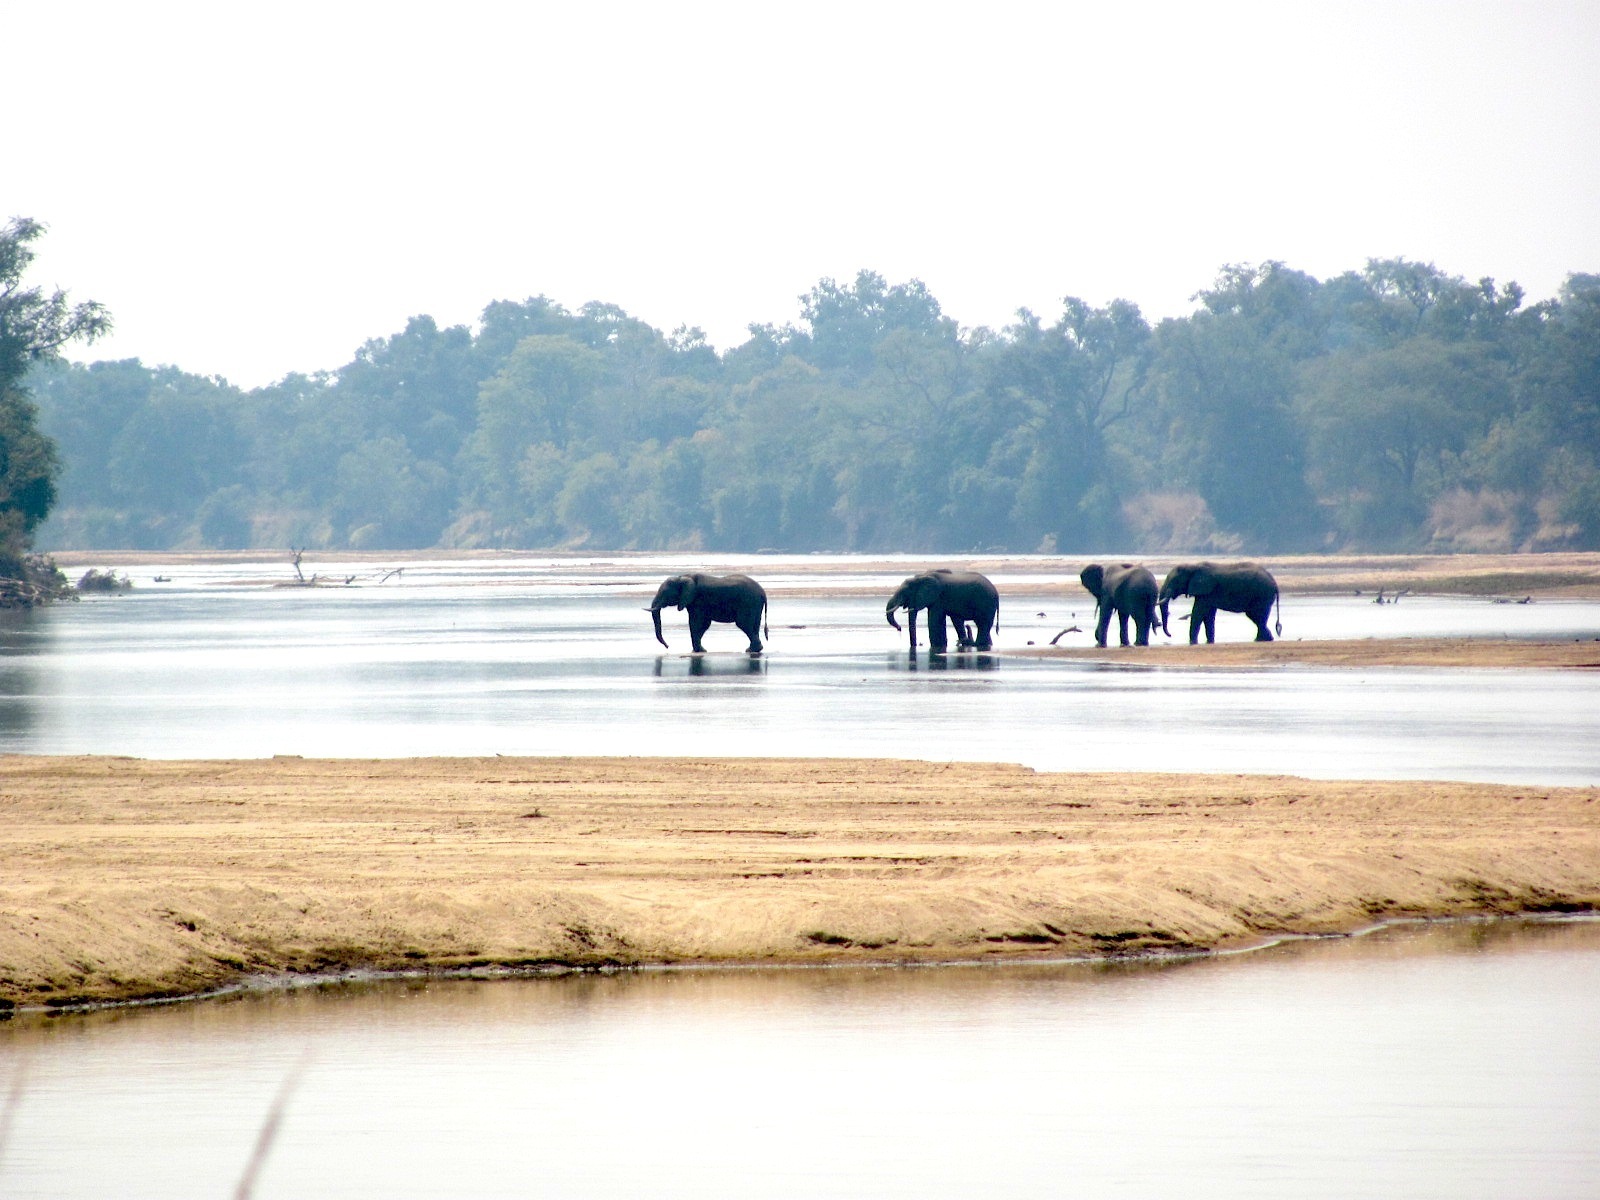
[(957, 660), (701, 665), (1461, 1061), (22, 647)]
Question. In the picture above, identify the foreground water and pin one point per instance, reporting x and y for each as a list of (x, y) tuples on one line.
[(1455, 1063), (545, 657)]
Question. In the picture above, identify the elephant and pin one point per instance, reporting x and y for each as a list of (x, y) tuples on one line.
[(734, 598), (960, 596), (1243, 587), (1128, 591)]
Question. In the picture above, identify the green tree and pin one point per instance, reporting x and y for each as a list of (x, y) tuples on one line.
[(504, 323), (420, 385), (938, 416), (83, 409), (1071, 384), (224, 519), (847, 323), (297, 430), (1387, 431), (34, 326), (778, 430), (590, 502), (534, 400), (667, 505), (388, 498), (1555, 440), (1226, 379), (143, 448)]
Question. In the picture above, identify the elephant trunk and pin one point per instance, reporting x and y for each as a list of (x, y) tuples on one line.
[(655, 615), (1165, 606), (889, 612)]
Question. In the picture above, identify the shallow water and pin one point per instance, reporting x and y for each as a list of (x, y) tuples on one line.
[(544, 657), (1457, 1062)]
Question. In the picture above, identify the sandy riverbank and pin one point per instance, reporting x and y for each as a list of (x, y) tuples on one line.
[(1523, 654), (129, 879)]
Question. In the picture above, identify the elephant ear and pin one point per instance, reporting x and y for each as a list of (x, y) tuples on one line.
[(686, 593), (1092, 577), (1202, 582)]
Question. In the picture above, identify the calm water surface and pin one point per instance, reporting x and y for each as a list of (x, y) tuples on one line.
[(1457, 1063), (541, 657)]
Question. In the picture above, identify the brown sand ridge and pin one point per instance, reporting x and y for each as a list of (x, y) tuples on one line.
[(1518, 653), (128, 878)]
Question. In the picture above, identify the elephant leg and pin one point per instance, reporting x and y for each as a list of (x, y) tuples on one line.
[(1195, 623), (699, 622), (1141, 629), (1211, 626), (1102, 624), (1122, 627), (1263, 634), (984, 632), (938, 639), (752, 630)]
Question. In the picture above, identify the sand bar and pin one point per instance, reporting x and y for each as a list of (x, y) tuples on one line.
[(1526, 654), (126, 878)]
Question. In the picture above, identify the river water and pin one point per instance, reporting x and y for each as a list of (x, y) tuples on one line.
[(1459, 1062), (1455, 1064), (542, 656)]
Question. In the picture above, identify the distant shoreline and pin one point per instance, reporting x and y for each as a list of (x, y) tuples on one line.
[(1572, 575)]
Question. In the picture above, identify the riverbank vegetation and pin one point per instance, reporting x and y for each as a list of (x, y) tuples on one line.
[(1395, 408), (34, 327)]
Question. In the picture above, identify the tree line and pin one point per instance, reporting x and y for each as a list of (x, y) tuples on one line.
[(1393, 408)]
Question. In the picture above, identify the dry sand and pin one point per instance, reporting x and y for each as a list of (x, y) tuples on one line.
[(128, 878), (1367, 652)]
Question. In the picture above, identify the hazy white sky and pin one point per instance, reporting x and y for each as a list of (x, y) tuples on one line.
[(257, 188)]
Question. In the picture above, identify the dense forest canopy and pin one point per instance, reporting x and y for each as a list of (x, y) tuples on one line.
[(1394, 408)]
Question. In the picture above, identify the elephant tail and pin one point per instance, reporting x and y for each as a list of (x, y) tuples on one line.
[(1277, 601), (765, 632), (997, 614)]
